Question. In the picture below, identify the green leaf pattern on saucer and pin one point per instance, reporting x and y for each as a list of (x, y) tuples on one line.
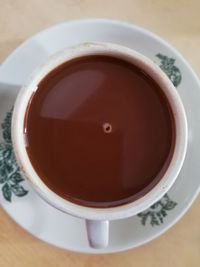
[(156, 213), (10, 176), (167, 65)]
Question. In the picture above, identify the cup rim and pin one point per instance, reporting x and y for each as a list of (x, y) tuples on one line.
[(144, 63)]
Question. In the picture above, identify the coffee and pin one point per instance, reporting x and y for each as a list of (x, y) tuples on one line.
[(99, 131)]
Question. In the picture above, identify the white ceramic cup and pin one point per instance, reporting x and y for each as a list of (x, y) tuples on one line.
[(97, 219)]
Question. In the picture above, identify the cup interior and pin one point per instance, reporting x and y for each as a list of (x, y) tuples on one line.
[(156, 74)]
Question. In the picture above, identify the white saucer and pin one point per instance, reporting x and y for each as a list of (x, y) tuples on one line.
[(65, 231)]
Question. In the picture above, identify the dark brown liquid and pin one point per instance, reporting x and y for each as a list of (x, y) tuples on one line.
[(99, 131)]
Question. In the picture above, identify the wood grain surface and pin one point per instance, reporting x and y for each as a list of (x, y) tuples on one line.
[(176, 21)]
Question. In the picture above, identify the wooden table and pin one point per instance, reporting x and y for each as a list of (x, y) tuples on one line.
[(176, 21)]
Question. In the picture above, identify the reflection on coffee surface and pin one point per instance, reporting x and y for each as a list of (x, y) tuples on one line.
[(100, 131)]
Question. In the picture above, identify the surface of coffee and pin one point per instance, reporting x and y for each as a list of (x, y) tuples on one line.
[(99, 131)]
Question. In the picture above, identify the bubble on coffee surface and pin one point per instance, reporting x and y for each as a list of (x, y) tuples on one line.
[(107, 127)]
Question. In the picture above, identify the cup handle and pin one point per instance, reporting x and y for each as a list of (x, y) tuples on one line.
[(97, 233)]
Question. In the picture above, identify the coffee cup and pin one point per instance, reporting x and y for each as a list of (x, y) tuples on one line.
[(97, 218)]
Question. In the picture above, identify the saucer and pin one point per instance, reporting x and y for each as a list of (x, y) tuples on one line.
[(62, 230)]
